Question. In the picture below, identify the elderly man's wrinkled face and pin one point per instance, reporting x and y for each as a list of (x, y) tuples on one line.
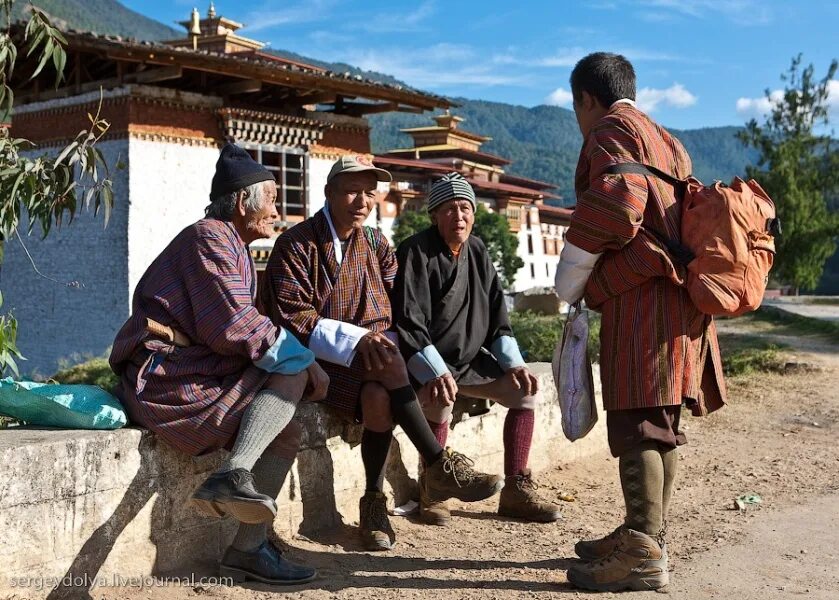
[(259, 224), (351, 197), (454, 220)]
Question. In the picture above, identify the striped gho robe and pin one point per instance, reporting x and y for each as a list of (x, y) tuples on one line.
[(304, 284), (203, 285), (656, 348)]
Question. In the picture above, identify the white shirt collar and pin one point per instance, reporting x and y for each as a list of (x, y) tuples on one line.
[(622, 101), (336, 242)]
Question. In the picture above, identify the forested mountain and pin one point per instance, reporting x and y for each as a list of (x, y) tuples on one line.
[(100, 16), (543, 142)]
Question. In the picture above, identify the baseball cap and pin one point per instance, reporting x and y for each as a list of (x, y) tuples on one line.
[(356, 163)]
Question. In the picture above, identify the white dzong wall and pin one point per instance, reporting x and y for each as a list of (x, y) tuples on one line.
[(57, 321)]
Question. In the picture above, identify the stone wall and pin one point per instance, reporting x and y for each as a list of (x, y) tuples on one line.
[(97, 504)]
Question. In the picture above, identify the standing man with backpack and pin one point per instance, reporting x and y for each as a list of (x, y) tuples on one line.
[(657, 350)]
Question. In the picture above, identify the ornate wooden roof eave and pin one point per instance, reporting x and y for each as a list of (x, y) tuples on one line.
[(248, 66)]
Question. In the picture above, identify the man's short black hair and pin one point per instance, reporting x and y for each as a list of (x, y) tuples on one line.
[(606, 76)]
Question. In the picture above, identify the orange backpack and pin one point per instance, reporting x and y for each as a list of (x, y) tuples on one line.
[(727, 241)]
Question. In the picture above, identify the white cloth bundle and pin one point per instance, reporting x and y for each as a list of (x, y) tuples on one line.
[(572, 375), (572, 272)]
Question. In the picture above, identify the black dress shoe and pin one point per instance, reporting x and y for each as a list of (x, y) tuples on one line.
[(232, 492), (264, 564)]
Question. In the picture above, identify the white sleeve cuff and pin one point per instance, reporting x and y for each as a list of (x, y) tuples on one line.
[(427, 364), (506, 351), (572, 272), (286, 356), (335, 341)]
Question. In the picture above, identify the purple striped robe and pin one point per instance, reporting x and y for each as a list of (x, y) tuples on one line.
[(203, 285), (304, 283), (657, 349)]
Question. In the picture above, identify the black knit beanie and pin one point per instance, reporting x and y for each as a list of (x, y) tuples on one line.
[(235, 170)]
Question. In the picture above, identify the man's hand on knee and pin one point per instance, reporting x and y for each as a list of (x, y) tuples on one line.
[(376, 351), (524, 380), (317, 385), (443, 390)]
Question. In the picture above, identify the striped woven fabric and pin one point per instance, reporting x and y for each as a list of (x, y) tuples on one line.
[(655, 344), (304, 283), (203, 285), (450, 186)]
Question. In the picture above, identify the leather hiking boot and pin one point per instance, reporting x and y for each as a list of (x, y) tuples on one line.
[(232, 492), (520, 500), (637, 563), (432, 512), (600, 548), (452, 476), (373, 523), (265, 564)]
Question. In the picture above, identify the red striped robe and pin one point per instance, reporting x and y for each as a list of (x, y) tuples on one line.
[(304, 283), (655, 345), (202, 284)]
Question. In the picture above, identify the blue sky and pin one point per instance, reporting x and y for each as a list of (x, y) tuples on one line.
[(699, 62)]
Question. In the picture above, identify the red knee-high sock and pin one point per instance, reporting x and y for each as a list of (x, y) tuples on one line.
[(518, 434), (440, 431)]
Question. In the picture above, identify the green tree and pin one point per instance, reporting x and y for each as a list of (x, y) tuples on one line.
[(799, 169), (408, 223), (501, 243), (45, 190), (492, 228)]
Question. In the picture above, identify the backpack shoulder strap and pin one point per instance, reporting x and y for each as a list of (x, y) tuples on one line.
[(680, 253), (642, 169)]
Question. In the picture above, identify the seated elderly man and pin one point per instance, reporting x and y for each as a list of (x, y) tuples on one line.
[(231, 379), (455, 335), (328, 281)]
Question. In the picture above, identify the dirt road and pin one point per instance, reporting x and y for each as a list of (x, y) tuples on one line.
[(776, 439)]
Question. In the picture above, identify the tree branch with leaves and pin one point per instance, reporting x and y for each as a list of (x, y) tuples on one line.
[(40, 188)]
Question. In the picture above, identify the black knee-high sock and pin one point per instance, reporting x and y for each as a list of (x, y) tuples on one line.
[(375, 446), (408, 415)]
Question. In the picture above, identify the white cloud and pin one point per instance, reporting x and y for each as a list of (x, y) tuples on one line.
[(437, 66), (676, 96), (268, 16), (396, 23), (568, 57), (761, 107), (560, 97), (744, 12)]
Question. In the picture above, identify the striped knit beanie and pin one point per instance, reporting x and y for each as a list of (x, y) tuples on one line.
[(451, 186)]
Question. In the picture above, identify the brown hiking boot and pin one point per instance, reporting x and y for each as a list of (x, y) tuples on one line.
[(600, 548), (373, 523), (520, 500), (637, 563), (452, 476), (432, 512)]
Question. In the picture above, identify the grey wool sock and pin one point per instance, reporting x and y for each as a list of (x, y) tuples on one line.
[(642, 481), (269, 473), (265, 417)]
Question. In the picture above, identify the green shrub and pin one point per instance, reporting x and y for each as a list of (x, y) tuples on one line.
[(538, 335), (766, 359), (95, 371)]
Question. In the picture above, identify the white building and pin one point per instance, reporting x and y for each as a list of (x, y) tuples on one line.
[(171, 106)]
